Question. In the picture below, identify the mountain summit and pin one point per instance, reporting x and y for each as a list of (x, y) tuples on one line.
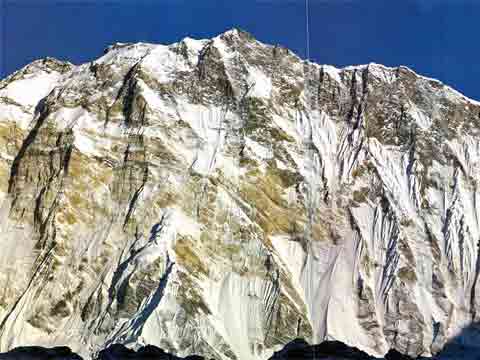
[(224, 197)]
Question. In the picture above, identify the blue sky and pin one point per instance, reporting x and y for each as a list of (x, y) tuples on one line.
[(437, 38)]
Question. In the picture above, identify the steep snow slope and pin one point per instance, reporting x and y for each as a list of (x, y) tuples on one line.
[(223, 197)]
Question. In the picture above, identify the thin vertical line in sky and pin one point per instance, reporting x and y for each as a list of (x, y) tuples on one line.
[(307, 32), (3, 20)]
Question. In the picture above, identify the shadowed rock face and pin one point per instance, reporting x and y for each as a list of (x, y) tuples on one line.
[(297, 349), (329, 349), (222, 197), (39, 353), (117, 352)]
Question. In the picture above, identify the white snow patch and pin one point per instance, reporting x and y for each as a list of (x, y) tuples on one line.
[(15, 114), (333, 72), (260, 152), (262, 87), (164, 64), (421, 119), (30, 90)]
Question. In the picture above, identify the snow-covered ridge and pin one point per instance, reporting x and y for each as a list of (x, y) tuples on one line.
[(196, 45)]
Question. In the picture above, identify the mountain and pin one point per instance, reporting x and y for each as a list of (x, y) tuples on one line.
[(224, 197)]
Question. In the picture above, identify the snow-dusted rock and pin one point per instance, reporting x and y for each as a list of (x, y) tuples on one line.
[(223, 197)]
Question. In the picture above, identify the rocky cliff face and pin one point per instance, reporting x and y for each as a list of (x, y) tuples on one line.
[(223, 197)]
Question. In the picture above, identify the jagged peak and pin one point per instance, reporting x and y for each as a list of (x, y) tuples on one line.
[(231, 36), (233, 33), (119, 46), (47, 64), (237, 33), (372, 67), (115, 46)]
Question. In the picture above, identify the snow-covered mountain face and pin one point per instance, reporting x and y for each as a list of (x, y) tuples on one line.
[(223, 197)]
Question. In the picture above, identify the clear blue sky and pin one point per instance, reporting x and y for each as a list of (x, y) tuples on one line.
[(438, 38)]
